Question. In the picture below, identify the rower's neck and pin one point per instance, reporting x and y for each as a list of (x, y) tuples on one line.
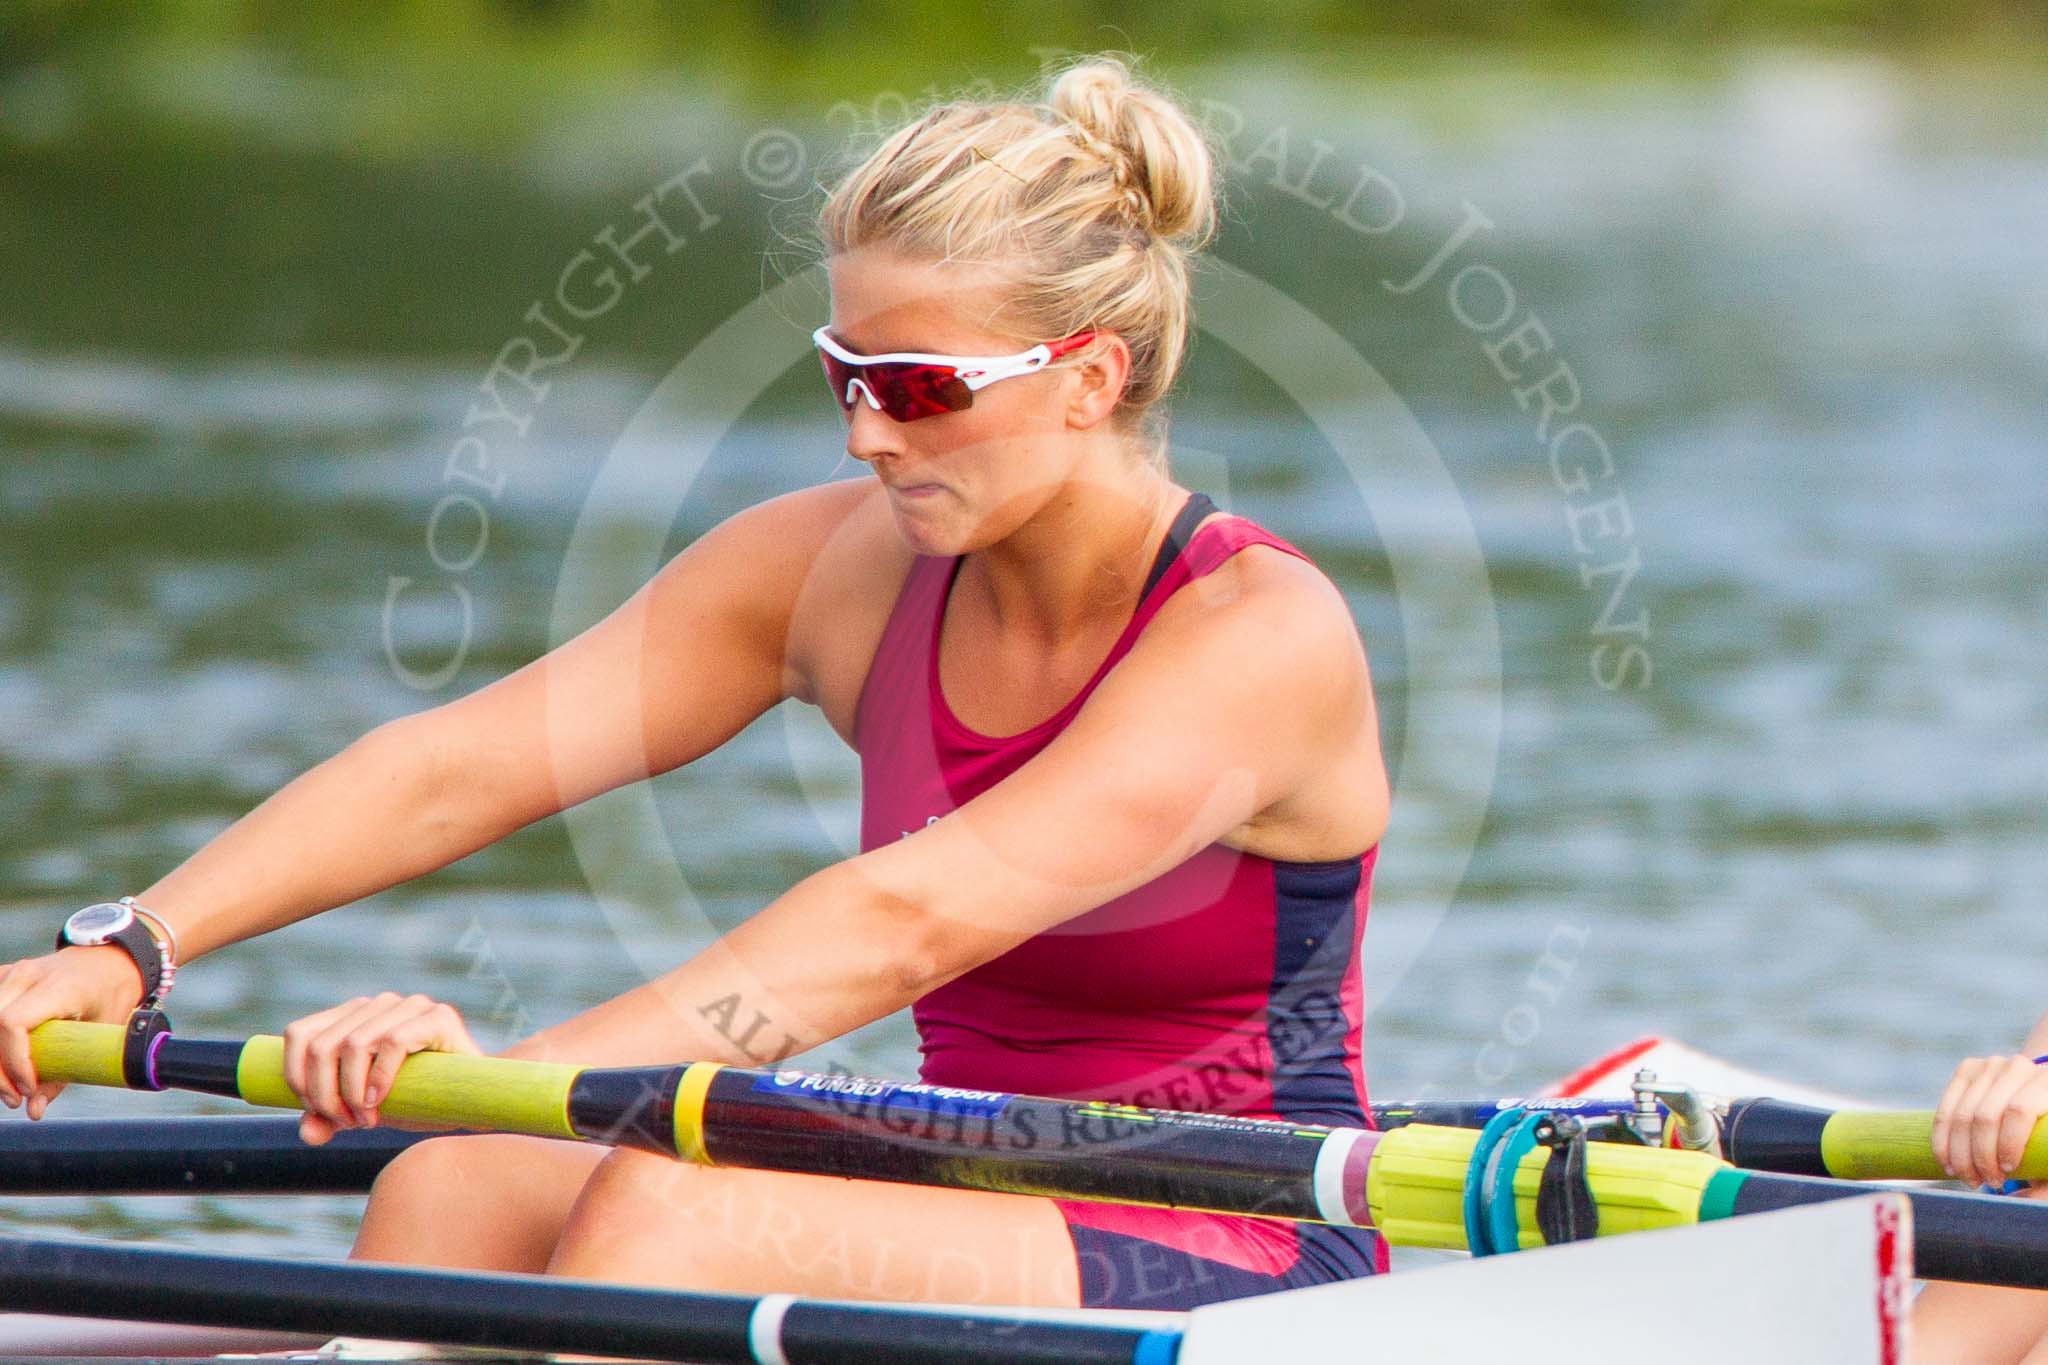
[(1079, 562)]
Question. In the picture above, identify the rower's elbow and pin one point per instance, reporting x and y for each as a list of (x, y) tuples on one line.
[(916, 948), (903, 935), (921, 958)]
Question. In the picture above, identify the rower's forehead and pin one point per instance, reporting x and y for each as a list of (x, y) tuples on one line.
[(884, 301)]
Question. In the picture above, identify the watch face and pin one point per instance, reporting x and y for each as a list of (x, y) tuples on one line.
[(98, 923)]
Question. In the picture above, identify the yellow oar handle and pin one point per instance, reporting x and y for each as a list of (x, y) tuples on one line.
[(446, 1089), (78, 1054), (1900, 1146), (443, 1089)]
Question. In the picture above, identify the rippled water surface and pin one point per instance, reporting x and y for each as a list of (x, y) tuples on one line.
[(1804, 299)]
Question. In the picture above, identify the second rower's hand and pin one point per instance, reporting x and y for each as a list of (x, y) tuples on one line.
[(1989, 1110)]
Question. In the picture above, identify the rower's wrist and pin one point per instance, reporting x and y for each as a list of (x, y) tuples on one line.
[(121, 980), (132, 931)]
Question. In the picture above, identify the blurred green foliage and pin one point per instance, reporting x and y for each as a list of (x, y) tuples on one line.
[(347, 177), (786, 46)]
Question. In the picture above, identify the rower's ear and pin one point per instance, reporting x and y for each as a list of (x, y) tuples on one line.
[(1096, 377)]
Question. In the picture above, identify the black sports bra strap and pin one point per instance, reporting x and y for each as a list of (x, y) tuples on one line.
[(1197, 507)]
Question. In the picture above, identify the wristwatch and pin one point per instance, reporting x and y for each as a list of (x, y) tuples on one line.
[(116, 922)]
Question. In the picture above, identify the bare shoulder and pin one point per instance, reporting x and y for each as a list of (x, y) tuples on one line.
[(785, 567), (1269, 641), (802, 522), (856, 563), (1267, 593), (794, 540)]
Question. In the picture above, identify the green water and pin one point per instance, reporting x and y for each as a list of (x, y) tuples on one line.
[(1802, 297)]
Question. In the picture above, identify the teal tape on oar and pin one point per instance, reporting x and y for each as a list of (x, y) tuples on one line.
[(1503, 1220), (1717, 1201), (1477, 1235)]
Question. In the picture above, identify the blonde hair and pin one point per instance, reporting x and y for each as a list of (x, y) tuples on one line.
[(1094, 199)]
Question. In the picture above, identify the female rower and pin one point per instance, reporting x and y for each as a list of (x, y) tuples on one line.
[(1121, 777), (1981, 1127)]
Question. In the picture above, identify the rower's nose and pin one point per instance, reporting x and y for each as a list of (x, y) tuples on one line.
[(872, 434)]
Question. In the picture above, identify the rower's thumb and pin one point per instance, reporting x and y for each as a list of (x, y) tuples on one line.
[(314, 1130)]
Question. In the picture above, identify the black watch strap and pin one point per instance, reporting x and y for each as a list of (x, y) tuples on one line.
[(140, 945)]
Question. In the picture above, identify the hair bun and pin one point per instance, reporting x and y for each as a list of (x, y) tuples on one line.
[(1159, 154)]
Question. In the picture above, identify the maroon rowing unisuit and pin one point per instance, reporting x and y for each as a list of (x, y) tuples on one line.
[(1228, 984)]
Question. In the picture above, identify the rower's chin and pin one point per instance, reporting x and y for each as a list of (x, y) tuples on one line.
[(931, 525)]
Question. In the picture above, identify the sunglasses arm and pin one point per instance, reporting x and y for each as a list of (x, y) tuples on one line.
[(977, 374)]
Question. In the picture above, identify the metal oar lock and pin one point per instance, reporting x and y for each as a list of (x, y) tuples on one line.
[(1694, 1126)]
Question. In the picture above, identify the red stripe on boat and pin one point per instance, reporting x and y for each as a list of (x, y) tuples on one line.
[(1585, 1076)]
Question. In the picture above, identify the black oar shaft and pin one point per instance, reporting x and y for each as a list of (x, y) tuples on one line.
[(1977, 1238), (1016, 1144), (189, 1156), (533, 1312), (1773, 1135)]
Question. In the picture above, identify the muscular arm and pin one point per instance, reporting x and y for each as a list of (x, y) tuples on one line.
[(671, 674), (1273, 683)]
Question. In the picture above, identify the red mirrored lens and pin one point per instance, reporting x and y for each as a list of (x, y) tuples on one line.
[(906, 391)]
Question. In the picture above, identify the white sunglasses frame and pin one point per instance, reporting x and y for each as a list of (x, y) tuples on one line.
[(977, 372)]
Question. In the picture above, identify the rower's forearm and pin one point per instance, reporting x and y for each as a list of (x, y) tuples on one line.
[(820, 961), (367, 819)]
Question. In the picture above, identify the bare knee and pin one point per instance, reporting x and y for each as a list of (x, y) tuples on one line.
[(485, 1201), (631, 1207), (423, 1174), (636, 1189)]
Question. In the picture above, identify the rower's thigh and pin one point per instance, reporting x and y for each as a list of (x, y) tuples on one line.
[(649, 1220), (1973, 1324), (487, 1201)]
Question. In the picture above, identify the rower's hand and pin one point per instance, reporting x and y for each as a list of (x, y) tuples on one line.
[(341, 1062), (99, 984), (1986, 1116)]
